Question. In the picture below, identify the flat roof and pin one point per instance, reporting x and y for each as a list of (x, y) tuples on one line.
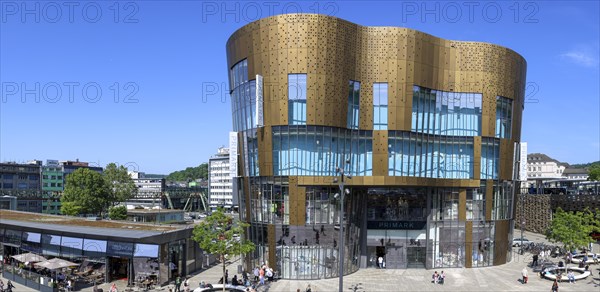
[(153, 211), (102, 229)]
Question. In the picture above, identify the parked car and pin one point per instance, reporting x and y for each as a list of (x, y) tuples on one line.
[(520, 241)]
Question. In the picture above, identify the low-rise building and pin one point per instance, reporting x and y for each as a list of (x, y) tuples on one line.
[(155, 215)]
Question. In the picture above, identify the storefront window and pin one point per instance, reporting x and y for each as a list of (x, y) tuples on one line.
[(94, 249), (31, 242), (447, 241), (71, 247), (51, 244), (483, 244)]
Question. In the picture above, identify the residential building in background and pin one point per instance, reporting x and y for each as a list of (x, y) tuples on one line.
[(53, 184), (220, 188), (425, 126)]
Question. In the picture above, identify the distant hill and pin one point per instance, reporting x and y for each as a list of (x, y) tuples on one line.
[(190, 173), (585, 165)]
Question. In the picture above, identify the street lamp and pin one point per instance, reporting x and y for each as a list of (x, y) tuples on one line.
[(340, 171)]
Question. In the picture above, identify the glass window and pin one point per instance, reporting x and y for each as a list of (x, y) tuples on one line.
[(145, 250), (353, 105), (71, 246), (297, 99), (51, 244), (446, 113), (504, 109), (380, 106)]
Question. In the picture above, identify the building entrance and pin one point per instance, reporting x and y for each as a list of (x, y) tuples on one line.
[(415, 257), (400, 249)]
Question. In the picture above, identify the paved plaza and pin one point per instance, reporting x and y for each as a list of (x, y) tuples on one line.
[(498, 278)]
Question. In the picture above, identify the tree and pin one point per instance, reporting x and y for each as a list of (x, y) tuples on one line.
[(120, 184), (222, 235), (70, 208), (191, 173), (117, 213), (572, 229), (594, 174), (85, 192)]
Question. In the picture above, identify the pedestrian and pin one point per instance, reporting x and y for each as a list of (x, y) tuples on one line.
[(262, 276), (524, 274), (555, 286), (226, 276), (294, 239), (535, 259), (256, 274), (113, 288), (435, 277), (308, 288), (380, 262), (69, 285), (442, 278), (186, 284), (9, 286), (178, 284), (317, 237), (1, 285)]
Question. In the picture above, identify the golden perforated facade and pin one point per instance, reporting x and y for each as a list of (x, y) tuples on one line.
[(427, 125)]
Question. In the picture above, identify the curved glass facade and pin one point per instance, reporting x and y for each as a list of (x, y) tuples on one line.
[(317, 150), (431, 167)]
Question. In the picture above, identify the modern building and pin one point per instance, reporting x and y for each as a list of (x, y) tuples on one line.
[(425, 126), (117, 249), (220, 187), (53, 185), (23, 180), (149, 190), (70, 166)]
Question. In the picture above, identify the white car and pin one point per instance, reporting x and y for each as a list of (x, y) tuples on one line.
[(520, 241)]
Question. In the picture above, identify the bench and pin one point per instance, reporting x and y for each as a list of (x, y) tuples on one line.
[(582, 273)]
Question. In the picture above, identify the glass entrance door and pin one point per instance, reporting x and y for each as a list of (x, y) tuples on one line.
[(415, 256)]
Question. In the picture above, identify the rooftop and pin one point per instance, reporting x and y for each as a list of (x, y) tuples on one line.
[(6, 215)]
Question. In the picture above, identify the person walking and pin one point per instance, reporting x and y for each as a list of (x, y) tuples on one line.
[(554, 286), (256, 274), (442, 278), (435, 277), (262, 276), (178, 284), (1, 285), (113, 288), (524, 274), (9, 286), (380, 262), (535, 259)]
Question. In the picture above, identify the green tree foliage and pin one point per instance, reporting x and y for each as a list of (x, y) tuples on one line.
[(70, 208), (117, 213), (120, 184), (594, 174), (85, 191), (573, 229), (222, 235), (191, 173)]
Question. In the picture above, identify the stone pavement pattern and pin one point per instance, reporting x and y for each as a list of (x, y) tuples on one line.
[(498, 278)]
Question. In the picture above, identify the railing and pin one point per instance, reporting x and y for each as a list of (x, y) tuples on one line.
[(28, 278)]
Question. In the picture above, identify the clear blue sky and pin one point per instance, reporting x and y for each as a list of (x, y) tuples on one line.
[(167, 54)]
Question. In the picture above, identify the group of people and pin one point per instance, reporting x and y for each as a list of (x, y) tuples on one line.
[(262, 273), (9, 286), (438, 278)]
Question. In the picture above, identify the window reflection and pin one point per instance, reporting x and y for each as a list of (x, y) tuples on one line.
[(353, 105), (446, 113), (380, 106), (297, 99), (504, 109), (435, 156)]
